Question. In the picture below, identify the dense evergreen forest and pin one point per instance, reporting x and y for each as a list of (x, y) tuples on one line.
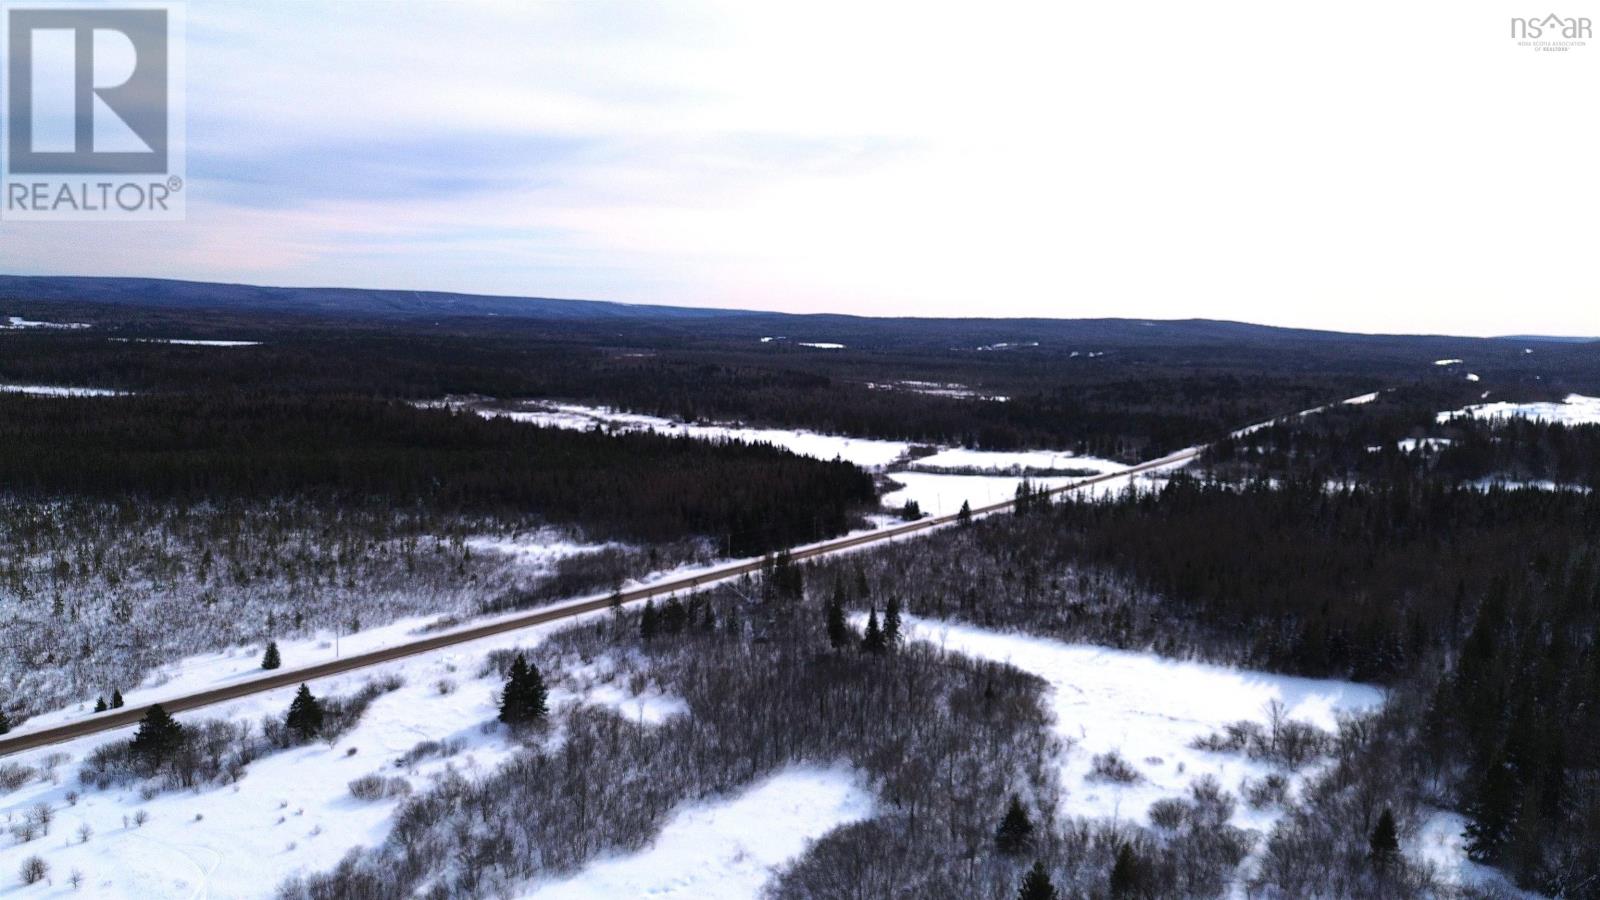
[(220, 446), (1400, 436), (1128, 390)]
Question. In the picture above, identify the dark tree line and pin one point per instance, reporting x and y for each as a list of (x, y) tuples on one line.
[(747, 498)]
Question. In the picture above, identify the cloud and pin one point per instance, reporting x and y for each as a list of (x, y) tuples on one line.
[(1312, 166)]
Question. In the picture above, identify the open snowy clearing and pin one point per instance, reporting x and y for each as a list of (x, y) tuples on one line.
[(865, 452), (18, 323), (292, 810), (46, 390), (1439, 841), (726, 850), (1576, 409), (191, 342), (1149, 709), (1017, 460), (940, 495)]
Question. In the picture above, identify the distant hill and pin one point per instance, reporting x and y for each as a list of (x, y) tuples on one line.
[(619, 319)]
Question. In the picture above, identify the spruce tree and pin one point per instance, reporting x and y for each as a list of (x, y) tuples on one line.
[(270, 660), (1385, 842), (1125, 873), (305, 714), (838, 631), (964, 517), (1015, 834), (116, 698), (873, 642), (1036, 884), (5, 723), (100, 704), (649, 621), (891, 623), (1492, 813), (158, 736), (524, 699), (674, 616)]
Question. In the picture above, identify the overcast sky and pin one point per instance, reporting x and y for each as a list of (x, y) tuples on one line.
[(1358, 165)]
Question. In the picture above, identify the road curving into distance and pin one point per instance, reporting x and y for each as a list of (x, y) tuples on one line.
[(118, 718)]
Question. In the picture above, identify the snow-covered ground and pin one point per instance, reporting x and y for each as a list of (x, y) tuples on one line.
[(1017, 460), (821, 345), (1149, 709), (1439, 841), (1576, 409), (46, 390), (1408, 445), (726, 849), (939, 495), (292, 810), (18, 323), (938, 389), (539, 549), (865, 452), (192, 342)]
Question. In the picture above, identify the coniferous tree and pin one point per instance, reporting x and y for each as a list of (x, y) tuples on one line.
[(1036, 884), (100, 704), (873, 641), (305, 714), (673, 616), (1492, 814), (524, 699), (838, 630), (649, 621), (891, 622), (964, 516), (5, 722), (1014, 835), (270, 659), (1125, 873), (535, 697), (158, 736), (1384, 845), (116, 698)]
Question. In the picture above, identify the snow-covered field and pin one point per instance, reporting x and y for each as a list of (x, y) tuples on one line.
[(291, 811), (951, 389), (1003, 460), (939, 495), (539, 549), (936, 493), (865, 452), (1576, 409), (17, 323), (1149, 709), (1408, 445), (726, 849), (46, 390), (191, 342)]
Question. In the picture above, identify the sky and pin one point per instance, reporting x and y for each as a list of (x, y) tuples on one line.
[(1361, 166)]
